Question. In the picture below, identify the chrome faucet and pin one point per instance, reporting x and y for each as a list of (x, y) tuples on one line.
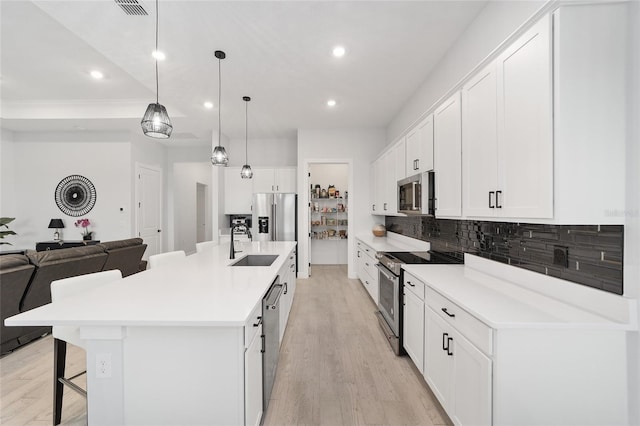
[(242, 227)]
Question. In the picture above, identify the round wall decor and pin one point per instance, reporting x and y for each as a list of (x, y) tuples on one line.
[(75, 195)]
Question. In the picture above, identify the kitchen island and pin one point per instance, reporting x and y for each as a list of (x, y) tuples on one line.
[(174, 339)]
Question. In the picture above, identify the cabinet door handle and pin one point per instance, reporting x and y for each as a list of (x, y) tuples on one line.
[(385, 206), (449, 340), (412, 285), (262, 350), (491, 206), (417, 164), (498, 205), (445, 342), (373, 207), (285, 288), (366, 263), (448, 313), (259, 322)]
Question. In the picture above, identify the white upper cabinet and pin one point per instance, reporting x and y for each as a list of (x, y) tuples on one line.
[(524, 116), (480, 144), (507, 134), (448, 158), (419, 157), (274, 180), (237, 192)]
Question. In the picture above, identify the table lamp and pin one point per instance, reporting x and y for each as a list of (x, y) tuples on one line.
[(56, 224)]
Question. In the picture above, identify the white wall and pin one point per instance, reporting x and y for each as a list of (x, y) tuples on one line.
[(38, 167), (357, 146), (263, 152), (7, 173), (186, 176), (632, 217), (493, 25)]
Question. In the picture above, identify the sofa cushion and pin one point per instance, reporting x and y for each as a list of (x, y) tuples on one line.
[(40, 258), (118, 244), (9, 261)]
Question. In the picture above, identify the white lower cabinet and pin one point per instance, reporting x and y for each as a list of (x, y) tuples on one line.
[(253, 380), (367, 271), (413, 319), (288, 280), (458, 373)]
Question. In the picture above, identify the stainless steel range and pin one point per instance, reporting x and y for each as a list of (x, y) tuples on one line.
[(390, 289)]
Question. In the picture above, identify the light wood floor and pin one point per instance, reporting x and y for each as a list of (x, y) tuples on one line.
[(335, 368)]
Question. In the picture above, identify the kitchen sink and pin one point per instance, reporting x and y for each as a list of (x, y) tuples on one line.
[(256, 260)]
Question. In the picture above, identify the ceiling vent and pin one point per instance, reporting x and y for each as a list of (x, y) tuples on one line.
[(131, 7)]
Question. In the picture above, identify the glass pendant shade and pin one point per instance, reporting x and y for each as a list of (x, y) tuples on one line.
[(219, 156), (246, 172), (156, 122)]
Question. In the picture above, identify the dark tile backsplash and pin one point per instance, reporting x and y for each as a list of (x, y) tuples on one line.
[(594, 252)]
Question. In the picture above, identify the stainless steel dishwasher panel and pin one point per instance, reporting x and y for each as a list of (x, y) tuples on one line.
[(271, 330)]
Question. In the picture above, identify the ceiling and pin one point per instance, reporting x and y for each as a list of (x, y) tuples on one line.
[(279, 53)]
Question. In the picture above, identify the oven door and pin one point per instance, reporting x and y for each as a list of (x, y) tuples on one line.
[(389, 298)]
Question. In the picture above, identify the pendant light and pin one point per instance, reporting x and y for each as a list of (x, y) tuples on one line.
[(156, 122), (246, 172), (219, 156)]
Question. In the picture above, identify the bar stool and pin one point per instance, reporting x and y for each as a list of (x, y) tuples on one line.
[(60, 290), (206, 245), (165, 258)]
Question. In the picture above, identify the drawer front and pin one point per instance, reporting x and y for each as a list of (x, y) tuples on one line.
[(366, 249), (252, 324), (469, 326), (414, 284), (370, 266)]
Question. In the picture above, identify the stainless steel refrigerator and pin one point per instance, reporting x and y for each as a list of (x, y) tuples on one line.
[(274, 217)]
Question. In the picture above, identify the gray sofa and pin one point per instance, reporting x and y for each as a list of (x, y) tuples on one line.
[(26, 280)]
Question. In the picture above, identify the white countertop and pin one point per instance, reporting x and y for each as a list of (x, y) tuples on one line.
[(199, 290), (503, 304), (393, 242)]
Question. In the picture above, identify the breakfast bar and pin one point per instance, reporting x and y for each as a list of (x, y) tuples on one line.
[(167, 346)]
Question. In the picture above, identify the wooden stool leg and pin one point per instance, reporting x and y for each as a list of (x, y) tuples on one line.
[(59, 357)]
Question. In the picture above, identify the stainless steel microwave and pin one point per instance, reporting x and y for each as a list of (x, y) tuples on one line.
[(416, 194)]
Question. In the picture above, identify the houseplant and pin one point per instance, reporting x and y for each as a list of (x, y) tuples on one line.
[(84, 224), (3, 224)]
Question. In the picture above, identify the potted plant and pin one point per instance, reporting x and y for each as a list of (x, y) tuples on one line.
[(3, 224), (84, 224)]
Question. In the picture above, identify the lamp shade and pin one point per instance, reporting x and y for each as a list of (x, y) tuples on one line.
[(156, 122), (56, 224)]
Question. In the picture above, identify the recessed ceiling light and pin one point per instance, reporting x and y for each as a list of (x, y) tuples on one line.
[(96, 74), (339, 51), (208, 105), (331, 102), (158, 54)]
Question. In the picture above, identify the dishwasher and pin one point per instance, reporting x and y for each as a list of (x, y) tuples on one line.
[(271, 336)]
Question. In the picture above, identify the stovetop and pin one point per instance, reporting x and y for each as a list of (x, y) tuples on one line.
[(394, 260)]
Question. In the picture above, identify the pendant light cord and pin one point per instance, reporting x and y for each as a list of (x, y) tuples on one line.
[(156, 57), (219, 102), (246, 132)]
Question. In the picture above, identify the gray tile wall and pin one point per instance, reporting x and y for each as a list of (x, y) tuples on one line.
[(585, 254)]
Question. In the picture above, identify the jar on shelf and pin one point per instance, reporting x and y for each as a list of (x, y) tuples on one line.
[(332, 191)]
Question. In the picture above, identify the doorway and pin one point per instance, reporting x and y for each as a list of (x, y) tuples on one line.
[(328, 218), (201, 212), (149, 208)]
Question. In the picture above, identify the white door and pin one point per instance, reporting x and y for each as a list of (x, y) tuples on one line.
[(471, 397), (438, 363), (480, 144), (525, 125), (448, 158), (412, 142), (414, 327), (253, 380), (149, 208), (425, 145)]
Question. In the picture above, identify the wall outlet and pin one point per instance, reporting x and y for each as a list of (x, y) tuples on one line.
[(561, 256), (103, 366)]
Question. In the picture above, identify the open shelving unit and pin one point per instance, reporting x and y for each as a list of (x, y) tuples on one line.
[(329, 219)]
